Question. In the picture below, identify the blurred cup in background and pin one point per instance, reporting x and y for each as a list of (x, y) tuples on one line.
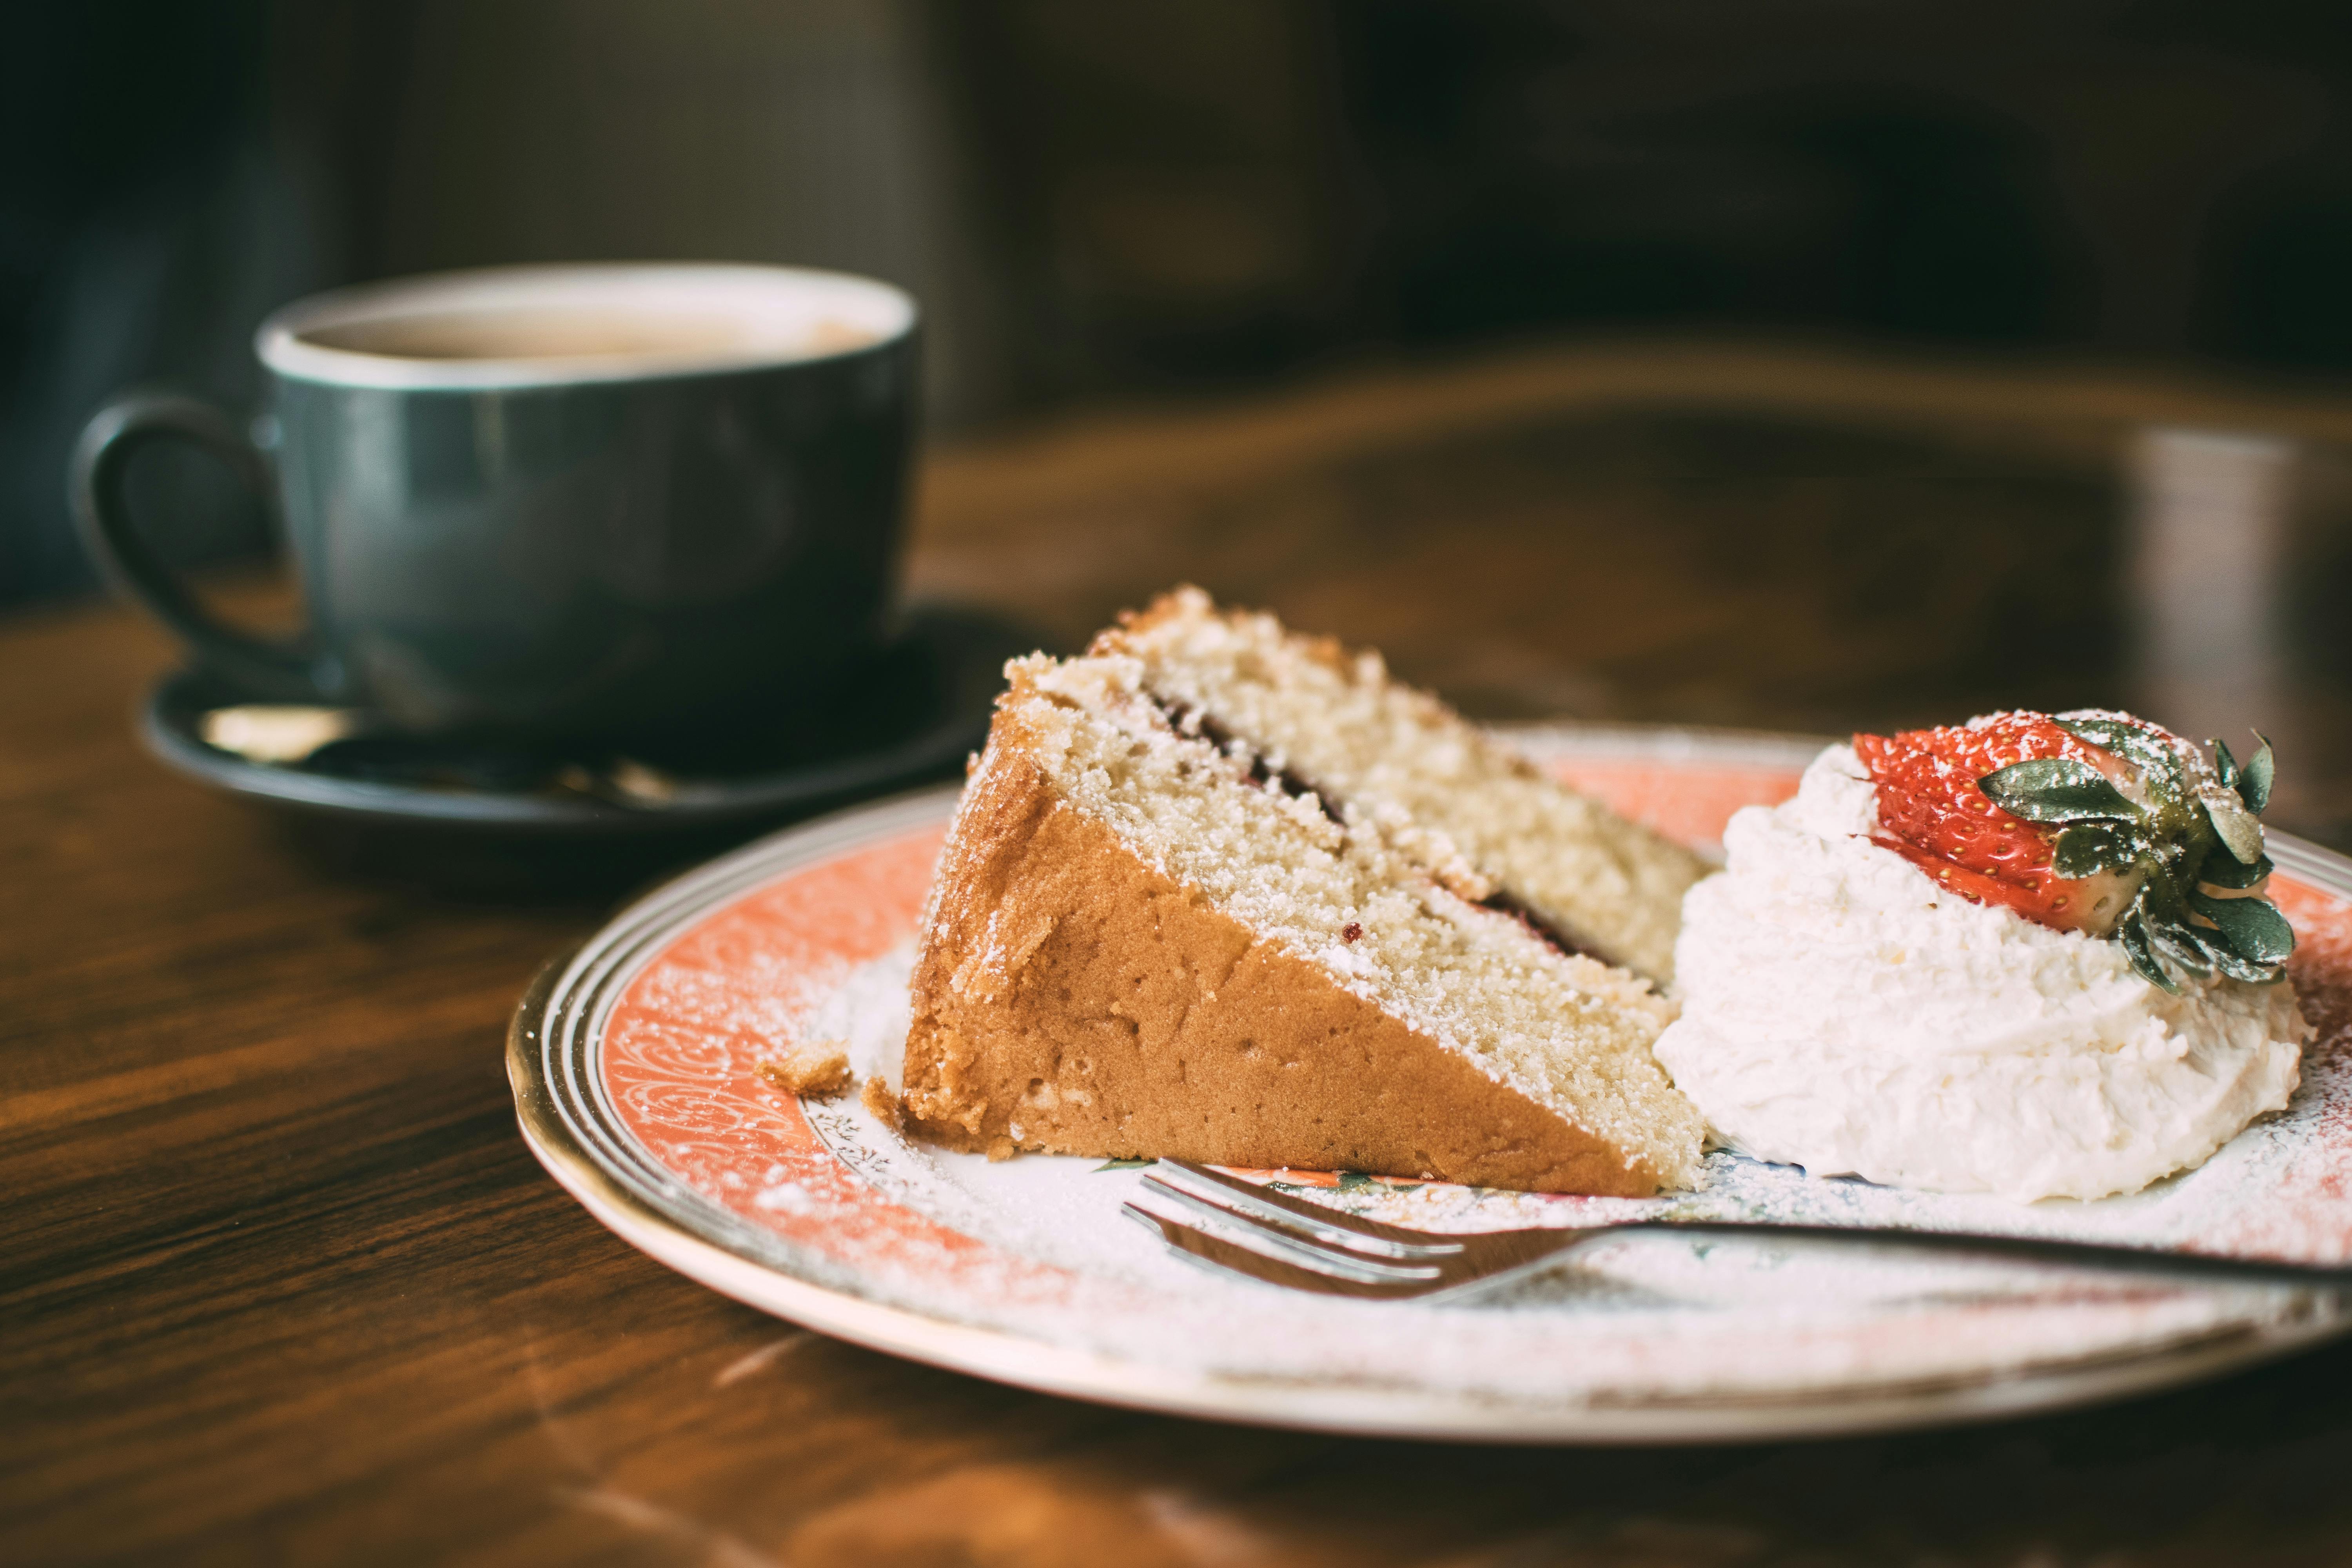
[(612, 502)]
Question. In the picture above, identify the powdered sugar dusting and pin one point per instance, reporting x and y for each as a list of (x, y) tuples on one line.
[(1036, 1246)]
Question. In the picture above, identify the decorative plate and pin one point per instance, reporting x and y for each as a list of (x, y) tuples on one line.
[(633, 1064)]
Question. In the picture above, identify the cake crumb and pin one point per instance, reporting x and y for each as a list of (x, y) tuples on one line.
[(816, 1069), (1001, 1148), (887, 1107)]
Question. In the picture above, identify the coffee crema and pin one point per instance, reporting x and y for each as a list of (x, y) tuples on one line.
[(551, 334)]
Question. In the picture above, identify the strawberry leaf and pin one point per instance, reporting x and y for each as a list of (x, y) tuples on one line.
[(2133, 935), (2223, 957), (2253, 781), (2133, 742), (2225, 766), (2254, 927), (2178, 944), (2226, 871), (2088, 849), (2160, 903), (2109, 734), (2054, 789), (2239, 830)]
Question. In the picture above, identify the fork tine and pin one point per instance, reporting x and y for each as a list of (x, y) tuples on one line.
[(1226, 1257), (1293, 1239), (1346, 1229)]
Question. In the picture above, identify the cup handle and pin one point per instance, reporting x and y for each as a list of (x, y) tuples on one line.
[(283, 671)]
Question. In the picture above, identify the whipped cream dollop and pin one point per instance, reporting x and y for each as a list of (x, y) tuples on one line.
[(1841, 1012)]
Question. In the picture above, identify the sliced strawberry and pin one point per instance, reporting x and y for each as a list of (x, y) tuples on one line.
[(1933, 813)]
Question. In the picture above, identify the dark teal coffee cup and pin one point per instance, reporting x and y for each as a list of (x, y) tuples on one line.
[(609, 502)]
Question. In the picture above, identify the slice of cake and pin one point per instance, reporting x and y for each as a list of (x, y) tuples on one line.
[(1149, 937), (1333, 722)]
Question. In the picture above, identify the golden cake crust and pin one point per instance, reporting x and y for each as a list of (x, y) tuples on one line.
[(1070, 998)]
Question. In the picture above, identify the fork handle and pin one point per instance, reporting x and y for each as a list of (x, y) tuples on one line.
[(2036, 1248)]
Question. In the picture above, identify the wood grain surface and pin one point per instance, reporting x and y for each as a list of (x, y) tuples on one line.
[(278, 1282)]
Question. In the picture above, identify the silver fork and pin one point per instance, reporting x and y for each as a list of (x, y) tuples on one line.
[(1308, 1247)]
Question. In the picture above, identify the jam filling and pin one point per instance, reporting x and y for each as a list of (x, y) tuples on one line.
[(1187, 720), (1502, 903)]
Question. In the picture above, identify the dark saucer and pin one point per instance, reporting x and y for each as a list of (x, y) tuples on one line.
[(910, 713)]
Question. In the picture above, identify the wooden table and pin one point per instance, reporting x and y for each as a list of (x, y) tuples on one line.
[(281, 1284)]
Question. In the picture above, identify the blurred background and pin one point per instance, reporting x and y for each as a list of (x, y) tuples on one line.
[(1170, 203), (1165, 196)]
